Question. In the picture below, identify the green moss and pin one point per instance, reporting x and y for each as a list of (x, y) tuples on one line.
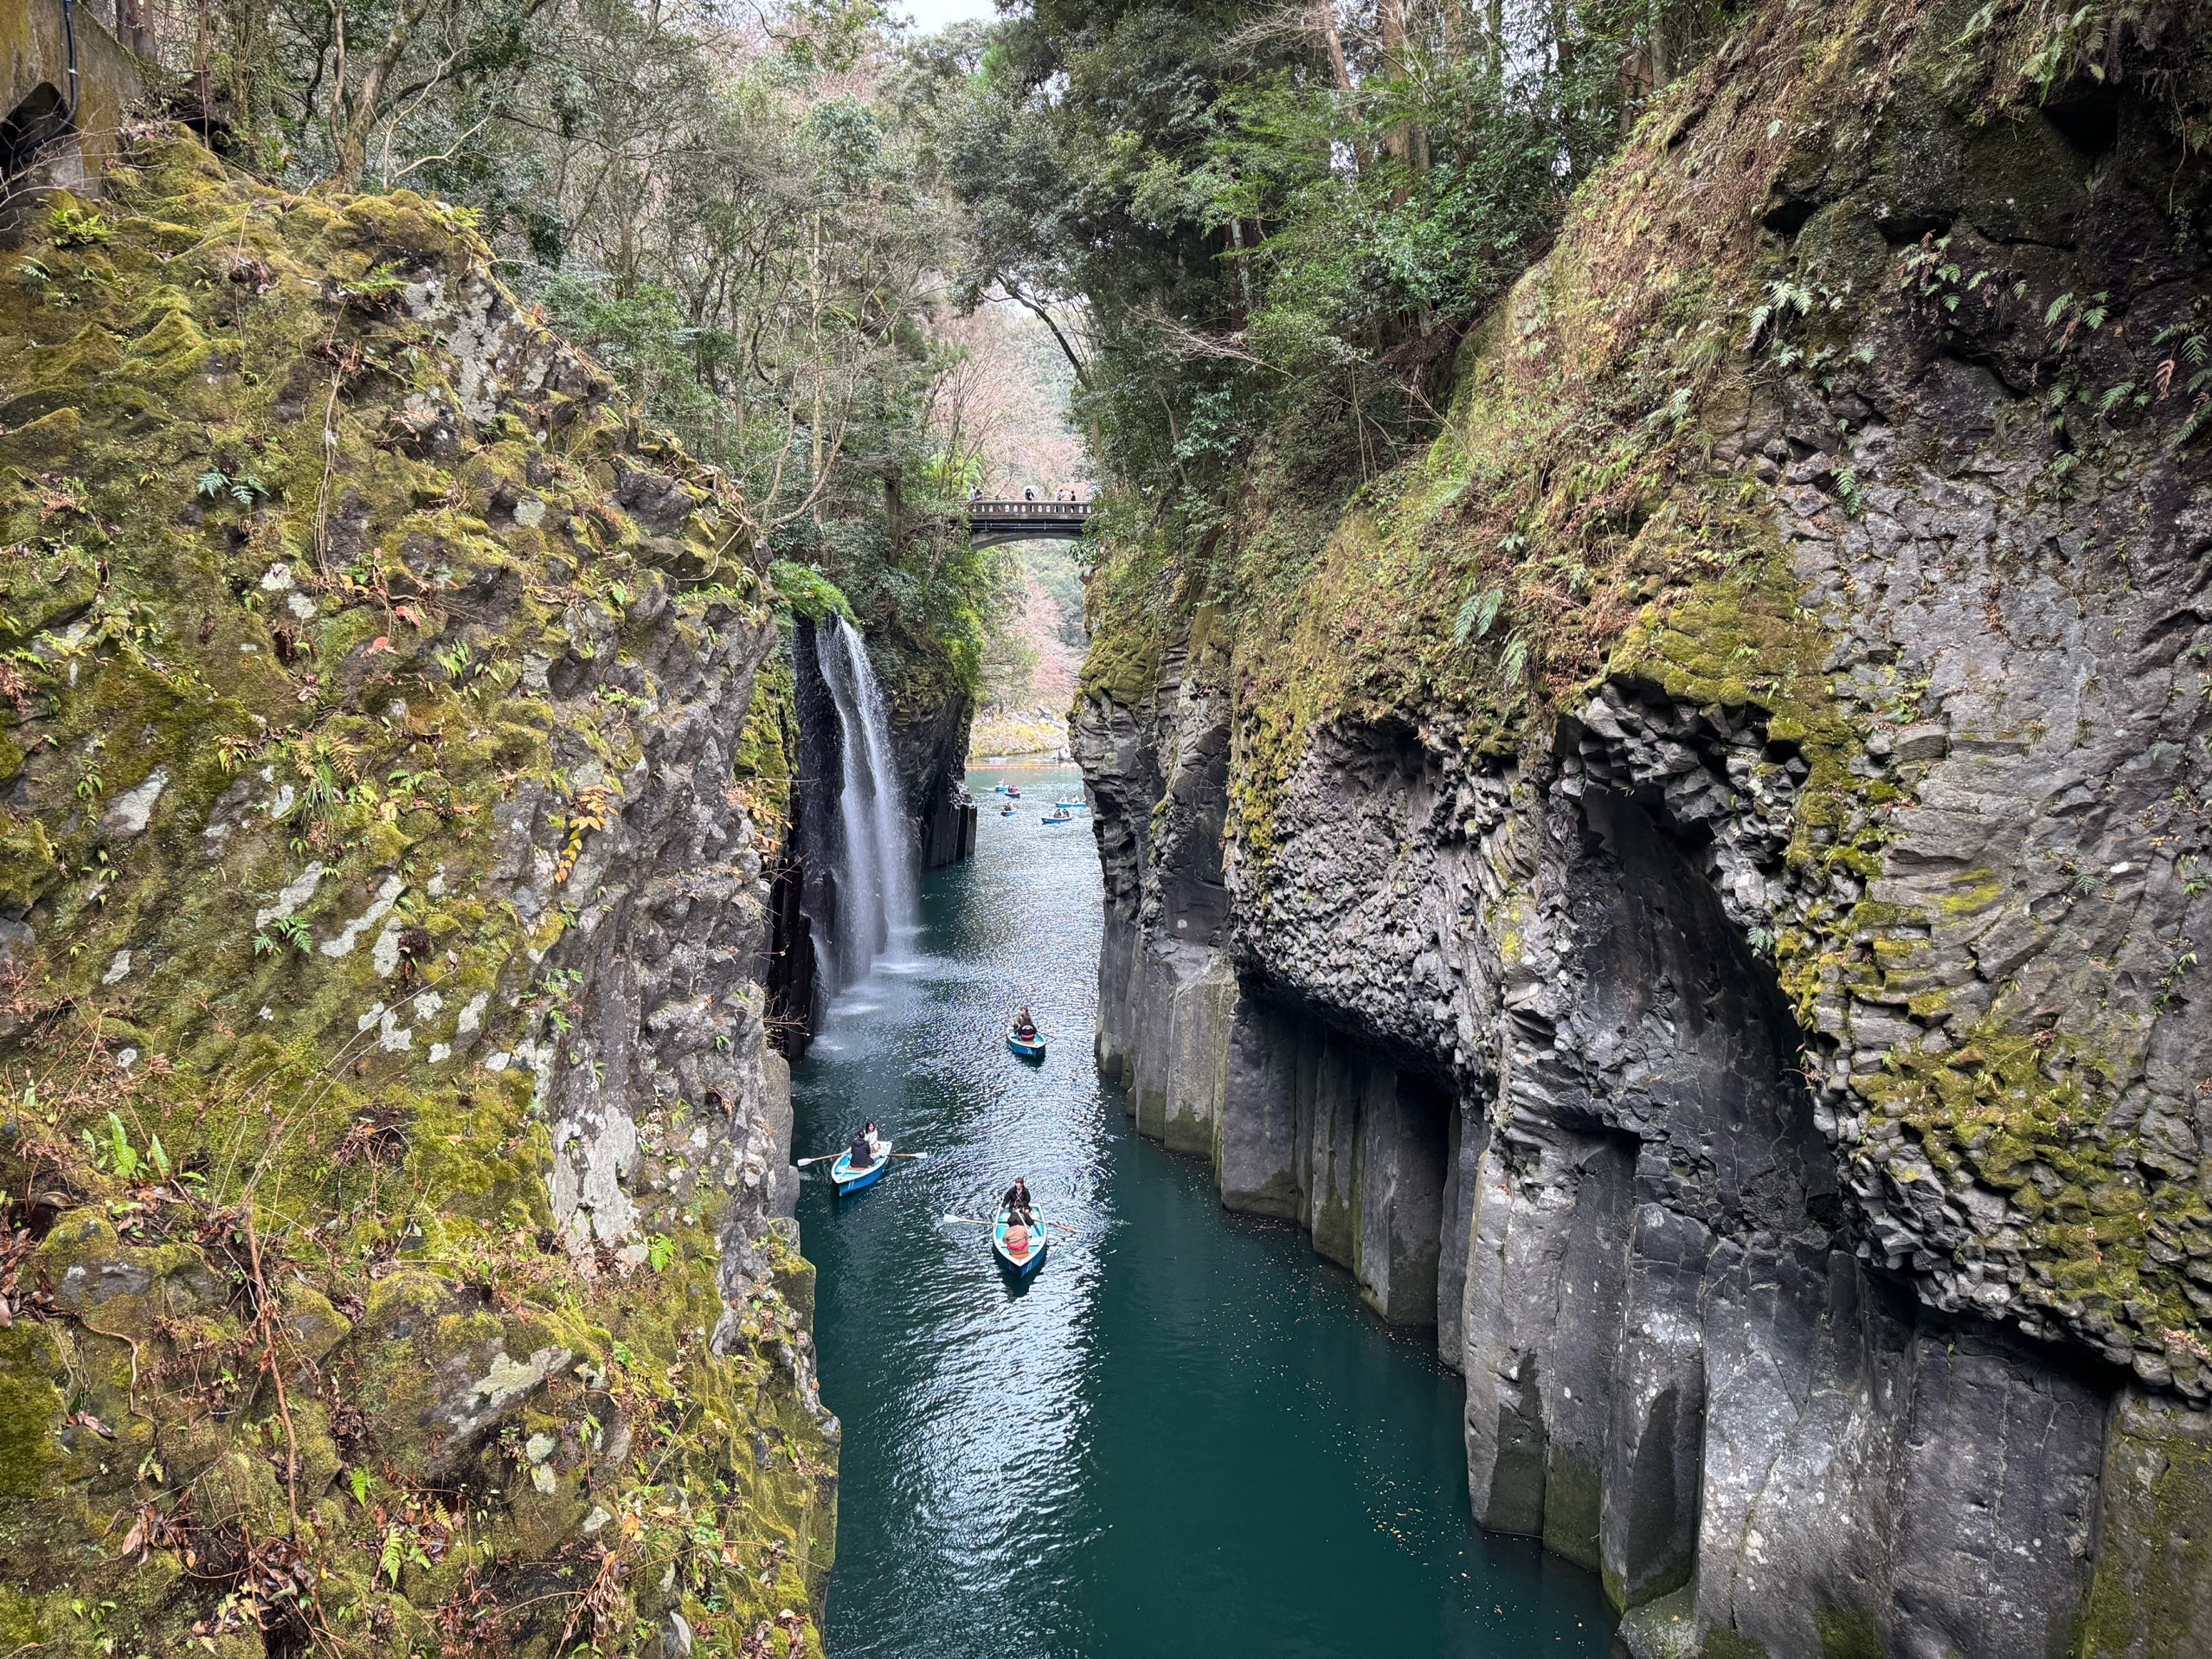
[(1847, 1633), (317, 663), (1721, 1643), (2024, 1112), (2154, 1567), (762, 766), (1130, 604), (807, 592), (31, 1410)]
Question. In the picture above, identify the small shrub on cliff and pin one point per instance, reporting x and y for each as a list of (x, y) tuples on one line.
[(807, 592)]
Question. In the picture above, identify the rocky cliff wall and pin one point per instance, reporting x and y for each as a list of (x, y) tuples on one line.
[(1692, 888), (397, 1175), (932, 746)]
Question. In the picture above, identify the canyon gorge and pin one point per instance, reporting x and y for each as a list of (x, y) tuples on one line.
[(1650, 791)]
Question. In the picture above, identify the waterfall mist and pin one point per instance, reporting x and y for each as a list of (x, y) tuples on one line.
[(877, 857)]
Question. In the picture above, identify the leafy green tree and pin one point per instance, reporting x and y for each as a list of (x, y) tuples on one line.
[(1273, 224)]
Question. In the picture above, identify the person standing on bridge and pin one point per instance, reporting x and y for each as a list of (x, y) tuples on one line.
[(1028, 493)]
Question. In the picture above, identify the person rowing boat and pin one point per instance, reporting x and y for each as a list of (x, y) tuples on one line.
[(1018, 1235), (1024, 1038), (867, 1147)]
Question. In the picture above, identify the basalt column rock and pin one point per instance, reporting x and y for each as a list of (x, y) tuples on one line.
[(931, 742), (817, 838), (415, 1028), (1303, 1119), (1761, 961)]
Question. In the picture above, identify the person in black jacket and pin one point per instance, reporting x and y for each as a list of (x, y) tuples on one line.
[(1016, 1202), (866, 1149)]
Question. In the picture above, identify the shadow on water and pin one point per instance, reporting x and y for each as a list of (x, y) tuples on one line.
[(1181, 1434)]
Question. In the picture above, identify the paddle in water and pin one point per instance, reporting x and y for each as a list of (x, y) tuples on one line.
[(822, 1156)]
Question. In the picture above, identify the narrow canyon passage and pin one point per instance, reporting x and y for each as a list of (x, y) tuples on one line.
[(1185, 1435)]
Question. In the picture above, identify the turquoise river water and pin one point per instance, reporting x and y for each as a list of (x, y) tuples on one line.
[(1184, 1435)]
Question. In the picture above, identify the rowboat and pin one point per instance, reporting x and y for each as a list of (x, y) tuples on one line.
[(1021, 1263), (1027, 1048), (1070, 805), (1059, 818), (846, 1179)]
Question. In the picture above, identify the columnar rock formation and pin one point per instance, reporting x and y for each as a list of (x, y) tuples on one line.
[(1746, 998), (397, 1175), (932, 747)]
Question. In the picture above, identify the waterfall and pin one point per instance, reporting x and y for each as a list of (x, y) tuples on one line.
[(877, 861)]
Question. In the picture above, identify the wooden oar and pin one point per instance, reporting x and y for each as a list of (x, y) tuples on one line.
[(977, 1221), (819, 1156)]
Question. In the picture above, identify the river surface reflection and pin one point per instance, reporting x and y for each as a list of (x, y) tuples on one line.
[(1183, 1435)]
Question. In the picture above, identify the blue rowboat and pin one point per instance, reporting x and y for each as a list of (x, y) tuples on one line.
[(846, 1179), (1027, 1048), (1070, 805), (1057, 817), (1021, 1262)]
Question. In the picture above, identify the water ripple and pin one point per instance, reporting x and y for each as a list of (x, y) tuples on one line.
[(1182, 1435)]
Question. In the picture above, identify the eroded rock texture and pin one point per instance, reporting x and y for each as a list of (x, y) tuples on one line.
[(397, 1174), (1750, 1005), (931, 742)]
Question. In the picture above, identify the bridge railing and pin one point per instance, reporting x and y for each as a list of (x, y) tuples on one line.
[(1076, 511)]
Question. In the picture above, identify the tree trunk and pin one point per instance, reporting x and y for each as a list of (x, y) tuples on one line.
[(1325, 12), (1404, 140), (134, 25), (354, 110)]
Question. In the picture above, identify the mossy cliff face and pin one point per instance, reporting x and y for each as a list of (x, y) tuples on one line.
[(396, 1171), (1750, 770)]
